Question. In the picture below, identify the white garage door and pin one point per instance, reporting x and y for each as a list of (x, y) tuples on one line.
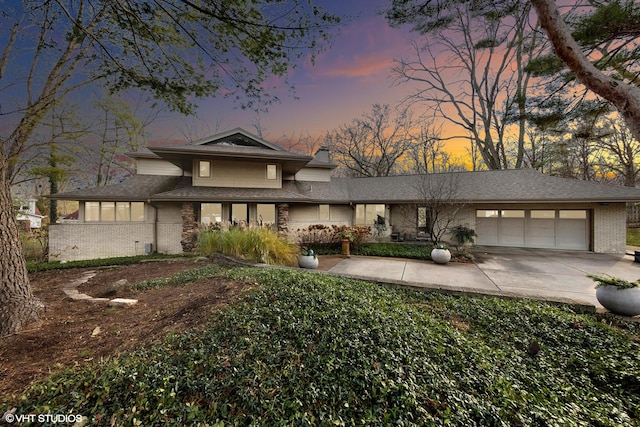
[(533, 228)]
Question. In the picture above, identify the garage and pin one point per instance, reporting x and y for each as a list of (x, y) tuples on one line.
[(534, 228)]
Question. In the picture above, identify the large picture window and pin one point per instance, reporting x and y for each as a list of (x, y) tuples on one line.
[(210, 213), (368, 214), (114, 211)]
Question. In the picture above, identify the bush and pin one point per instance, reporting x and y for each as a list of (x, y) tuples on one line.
[(321, 235), (253, 244)]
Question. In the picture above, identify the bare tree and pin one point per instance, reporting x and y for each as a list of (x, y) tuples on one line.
[(302, 142), (439, 204), (470, 69), (373, 144), (622, 154)]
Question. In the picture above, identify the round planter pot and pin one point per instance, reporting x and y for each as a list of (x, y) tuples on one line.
[(440, 256), (625, 302), (308, 261)]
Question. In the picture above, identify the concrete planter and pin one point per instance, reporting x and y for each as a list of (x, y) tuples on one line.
[(440, 256), (625, 302), (308, 261)]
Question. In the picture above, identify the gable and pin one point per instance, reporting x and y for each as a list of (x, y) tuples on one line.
[(236, 138)]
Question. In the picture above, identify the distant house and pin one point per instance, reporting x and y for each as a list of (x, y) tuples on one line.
[(237, 178), (29, 215)]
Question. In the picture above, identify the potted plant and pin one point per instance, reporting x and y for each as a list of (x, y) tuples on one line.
[(463, 234), (619, 296), (308, 259), (440, 254)]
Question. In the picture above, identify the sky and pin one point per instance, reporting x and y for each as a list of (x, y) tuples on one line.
[(346, 80)]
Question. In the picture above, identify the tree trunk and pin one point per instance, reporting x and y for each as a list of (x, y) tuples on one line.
[(625, 97), (18, 306)]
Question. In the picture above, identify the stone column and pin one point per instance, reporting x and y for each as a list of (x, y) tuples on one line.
[(283, 218), (189, 228)]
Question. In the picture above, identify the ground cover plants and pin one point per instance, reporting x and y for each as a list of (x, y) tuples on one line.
[(315, 349)]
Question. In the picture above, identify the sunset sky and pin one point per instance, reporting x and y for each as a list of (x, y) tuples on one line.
[(344, 83)]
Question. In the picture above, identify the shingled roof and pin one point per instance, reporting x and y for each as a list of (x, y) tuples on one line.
[(502, 186)]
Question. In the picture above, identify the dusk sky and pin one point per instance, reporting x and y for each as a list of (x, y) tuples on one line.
[(344, 83)]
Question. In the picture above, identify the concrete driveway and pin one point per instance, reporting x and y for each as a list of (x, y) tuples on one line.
[(534, 273)]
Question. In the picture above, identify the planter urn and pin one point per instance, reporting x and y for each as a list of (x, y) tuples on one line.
[(440, 255), (308, 261), (625, 302), (346, 244)]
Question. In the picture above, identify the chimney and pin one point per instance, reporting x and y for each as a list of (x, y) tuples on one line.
[(323, 155)]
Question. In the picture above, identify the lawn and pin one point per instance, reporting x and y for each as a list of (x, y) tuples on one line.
[(313, 349), (633, 236)]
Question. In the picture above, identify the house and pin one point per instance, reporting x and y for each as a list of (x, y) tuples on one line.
[(29, 215), (237, 178)]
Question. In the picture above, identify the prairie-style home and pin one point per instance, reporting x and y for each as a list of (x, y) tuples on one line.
[(236, 178)]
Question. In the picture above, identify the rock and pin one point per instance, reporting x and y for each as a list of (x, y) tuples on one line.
[(122, 302)]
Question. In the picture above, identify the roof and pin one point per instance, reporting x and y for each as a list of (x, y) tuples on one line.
[(498, 186)]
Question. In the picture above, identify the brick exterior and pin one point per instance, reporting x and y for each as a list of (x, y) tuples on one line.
[(71, 242)]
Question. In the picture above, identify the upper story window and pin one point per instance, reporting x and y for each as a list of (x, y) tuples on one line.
[(272, 172), (204, 169)]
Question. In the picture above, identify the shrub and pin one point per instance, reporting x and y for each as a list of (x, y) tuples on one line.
[(320, 234), (253, 244)]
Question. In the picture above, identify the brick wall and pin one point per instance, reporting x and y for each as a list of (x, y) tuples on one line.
[(72, 242)]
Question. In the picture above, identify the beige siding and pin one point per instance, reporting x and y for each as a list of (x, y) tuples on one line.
[(314, 174), (237, 175), (157, 167)]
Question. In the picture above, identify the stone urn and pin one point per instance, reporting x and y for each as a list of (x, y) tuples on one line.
[(625, 302), (440, 255), (308, 259)]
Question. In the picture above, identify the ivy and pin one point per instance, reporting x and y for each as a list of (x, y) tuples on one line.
[(312, 349)]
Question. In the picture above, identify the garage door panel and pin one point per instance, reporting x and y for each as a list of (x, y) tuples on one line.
[(511, 232), (572, 234), (541, 233), (487, 231)]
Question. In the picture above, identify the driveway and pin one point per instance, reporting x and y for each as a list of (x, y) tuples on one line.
[(534, 273)]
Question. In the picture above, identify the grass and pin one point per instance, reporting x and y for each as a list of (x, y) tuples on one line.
[(33, 266), (312, 349), (633, 236), (254, 244)]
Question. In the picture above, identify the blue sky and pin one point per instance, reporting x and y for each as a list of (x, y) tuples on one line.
[(344, 83)]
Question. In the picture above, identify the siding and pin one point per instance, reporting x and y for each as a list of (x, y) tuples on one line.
[(314, 174), (157, 167), (237, 175)]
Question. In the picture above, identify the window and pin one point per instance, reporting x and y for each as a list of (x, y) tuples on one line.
[(92, 211), (239, 213), (512, 214), (484, 213), (123, 211), (272, 172), (424, 222), (210, 213), (573, 214), (204, 169), (266, 214), (107, 211), (543, 214), (323, 212), (368, 214), (114, 211)]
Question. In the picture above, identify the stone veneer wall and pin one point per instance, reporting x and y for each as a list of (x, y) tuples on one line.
[(189, 228)]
